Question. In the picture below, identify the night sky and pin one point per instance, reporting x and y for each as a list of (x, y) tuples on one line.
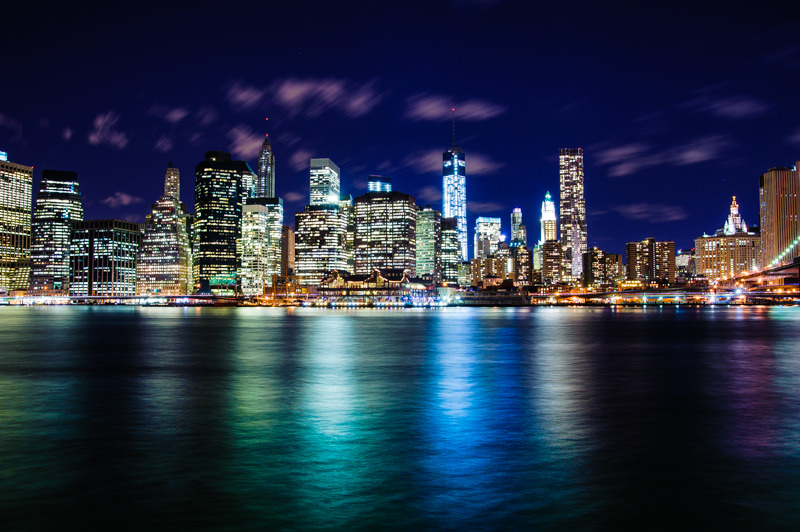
[(677, 107)]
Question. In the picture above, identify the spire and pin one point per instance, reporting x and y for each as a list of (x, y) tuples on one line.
[(454, 126)]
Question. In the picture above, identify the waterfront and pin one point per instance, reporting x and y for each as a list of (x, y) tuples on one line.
[(450, 419)]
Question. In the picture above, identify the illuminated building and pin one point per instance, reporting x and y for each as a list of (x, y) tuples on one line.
[(451, 251), (484, 268), (102, 258), (287, 251), (523, 265), (601, 269), (262, 225), (265, 176), (164, 263), (649, 261), (454, 192), (429, 244), (320, 243), (519, 234), (379, 183), (221, 187), (779, 214), (16, 193), (552, 259), (685, 265), (324, 181), (730, 251), (385, 232), (573, 210), (549, 225), (487, 236), (58, 204), (347, 212)]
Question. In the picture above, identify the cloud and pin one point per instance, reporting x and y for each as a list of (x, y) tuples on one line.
[(431, 161), (120, 199), (104, 132), (481, 207), (652, 212), (133, 218), (245, 142), (631, 158), (294, 197), (300, 160), (429, 194), (206, 115), (312, 97), (731, 107), (243, 97), (164, 144), (794, 138), (438, 107), (10, 123), (172, 115), (66, 134)]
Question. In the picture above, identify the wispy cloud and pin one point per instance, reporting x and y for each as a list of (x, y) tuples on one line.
[(172, 115), (294, 197), (104, 132), (794, 138), (12, 124), (66, 133), (120, 199), (427, 106), (309, 97), (482, 207), (730, 107), (299, 160), (652, 212), (430, 194), (631, 158), (245, 142), (164, 144), (431, 161), (206, 115)]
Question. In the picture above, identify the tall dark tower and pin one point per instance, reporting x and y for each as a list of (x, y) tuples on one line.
[(58, 204), (265, 181)]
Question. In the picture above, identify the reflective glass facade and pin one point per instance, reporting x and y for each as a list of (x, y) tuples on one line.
[(265, 181), (454, 194), (429, 244), (320, 243), (262, 225), (16, 192), (58, 204), (324, 182), (385, 232), (487, 235), (103, 258)]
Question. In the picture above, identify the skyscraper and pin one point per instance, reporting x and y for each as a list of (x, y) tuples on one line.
[(650, 261), (429, 244), (519, 233), (451, 251), (262, 225), (379, 183), (730, 251), (320, 243), (103, 258), (265, 179), (548, 221), (164, 263), (58, 204), (573, 210), (221, 188), (16, 192), (324, 182), (487, 236), (779, 201), (454, 191), (385, 232)]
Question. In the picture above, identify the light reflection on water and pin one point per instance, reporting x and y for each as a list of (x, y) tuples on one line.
[(249, 418)]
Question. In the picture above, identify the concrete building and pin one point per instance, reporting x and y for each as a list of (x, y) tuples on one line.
[(16, 193), (573, 211), (779, 214), (651, 262), (730, 251)]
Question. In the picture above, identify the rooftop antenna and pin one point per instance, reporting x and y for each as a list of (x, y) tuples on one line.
[(453, 109), (267, 119)]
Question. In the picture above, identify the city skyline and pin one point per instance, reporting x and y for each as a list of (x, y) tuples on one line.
[(663, 102)]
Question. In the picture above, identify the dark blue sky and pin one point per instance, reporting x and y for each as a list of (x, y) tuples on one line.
[(677, 107)]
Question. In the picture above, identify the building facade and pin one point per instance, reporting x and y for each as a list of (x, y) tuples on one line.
[(320, 242), (487, 236), (451, 251), (102, 258), (779, 214), (429, 244), (650, 261), (519, 233), (262, 226), (16, 194), (164, 263), (729, 251), (221, 188), (265, 176), (548, 221), (324, 182), (385, 232), (572, 209), (58, 205), (454, 193), (601, 269)]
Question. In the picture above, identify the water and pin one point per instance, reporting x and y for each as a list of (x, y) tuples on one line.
[(452, 419)]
